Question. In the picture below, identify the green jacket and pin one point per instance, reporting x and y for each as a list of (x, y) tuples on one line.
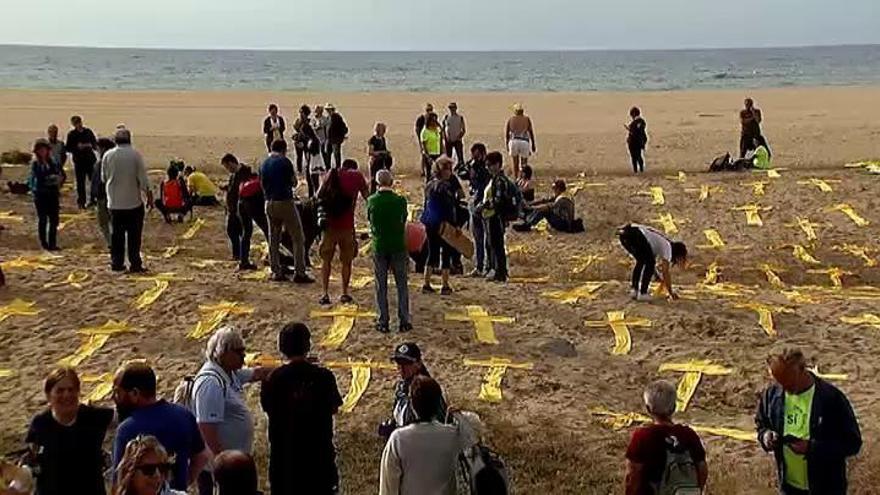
[(387, 213)]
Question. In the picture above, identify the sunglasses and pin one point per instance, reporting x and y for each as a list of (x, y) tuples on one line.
[(152, 469)]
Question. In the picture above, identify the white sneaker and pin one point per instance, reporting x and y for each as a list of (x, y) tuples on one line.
[(643, 297), (633, 294)]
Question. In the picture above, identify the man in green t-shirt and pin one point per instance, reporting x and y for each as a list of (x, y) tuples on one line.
[(387, 213)]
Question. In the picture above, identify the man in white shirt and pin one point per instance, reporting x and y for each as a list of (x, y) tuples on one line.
[(646, 244), (421, 458), (125, 176)]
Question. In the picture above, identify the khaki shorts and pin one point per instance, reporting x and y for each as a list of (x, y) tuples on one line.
[(344, 239)]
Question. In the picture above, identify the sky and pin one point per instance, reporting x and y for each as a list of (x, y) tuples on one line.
[(444, 25)]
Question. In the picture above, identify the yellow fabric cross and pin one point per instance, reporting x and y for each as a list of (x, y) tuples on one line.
[(361, 372), (620, 326), (206, 263), (18, 307), (618, 421), (520, 249), (344, 317), (69, 218), (657, 196), (572, 296), (74, 279), (680, 177), (829, 376), (822, 184), (529, 280), (668, 222), (258, 274), (869, 319), (850, 212), (834, 273), (807, 227), (30, 263), (772, 277), (94, 338), (712, 272), (724, 289), (490, 389), (584, 262), (801, 253), (10, 216), (161, 282), (758, 187), (773, 173), (214, 314), (483, 322), (753, 213), (193, 229), (577, 186), (693, 372), (765, 315), (859, 252), (170, 252), (6, 373), (704, 191), (102, 389)]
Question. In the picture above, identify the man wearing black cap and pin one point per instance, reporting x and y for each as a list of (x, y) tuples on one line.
[(408, 358), (558, 210)]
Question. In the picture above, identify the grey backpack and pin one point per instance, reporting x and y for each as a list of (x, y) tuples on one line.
[(680, 472)]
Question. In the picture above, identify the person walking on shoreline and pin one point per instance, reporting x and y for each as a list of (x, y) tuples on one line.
[(636, 139), (46, 180), (520, 138)]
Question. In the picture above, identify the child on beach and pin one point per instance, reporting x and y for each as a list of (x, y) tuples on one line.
[(524, 183)]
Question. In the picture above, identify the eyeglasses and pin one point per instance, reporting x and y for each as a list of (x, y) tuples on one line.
[(152, 469)]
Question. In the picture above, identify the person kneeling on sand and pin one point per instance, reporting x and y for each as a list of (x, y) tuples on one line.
[(174, 199), (558, 210), (645, 244), (662, 445), (202, 190)]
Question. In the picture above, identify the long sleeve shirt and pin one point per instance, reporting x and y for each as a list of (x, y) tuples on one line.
[(421, 459), (125, 176)]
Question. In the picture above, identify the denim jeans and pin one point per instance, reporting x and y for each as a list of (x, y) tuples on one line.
[(399, 264), (478, 229)]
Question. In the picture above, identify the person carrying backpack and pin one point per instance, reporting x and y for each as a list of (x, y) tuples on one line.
[(502, 203), (665, 458)]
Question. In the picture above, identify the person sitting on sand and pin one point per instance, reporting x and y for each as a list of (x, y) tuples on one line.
[(408, 358), (174, 198), (636, 139), (649, 449), (525, 184), (809, 426), (645, 244), (759, 157), (380, 157), (46, 180), (202, 190), (519, 134), (558, 210)]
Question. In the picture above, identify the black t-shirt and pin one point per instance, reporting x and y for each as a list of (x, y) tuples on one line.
[(637, 134), (74, 138), (242, 174), (71, 458), (300, 400), (378, 143), (420, 124)]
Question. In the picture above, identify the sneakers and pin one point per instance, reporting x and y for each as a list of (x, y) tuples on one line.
[(325, 300), (303, 279), (643, 297), (633, 294), (278, 277), (345, 299), (475, 273), (446, 291), (137, 269), (246, 267), (489, 274)]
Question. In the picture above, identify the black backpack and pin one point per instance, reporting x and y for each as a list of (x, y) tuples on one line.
[(510, 200), (484, 471)]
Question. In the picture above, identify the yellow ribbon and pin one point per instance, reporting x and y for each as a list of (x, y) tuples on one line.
[(484, 323), (214, 314), (6, 373), (520, 249), (529, 280), (344, 318), (704, 191), (161, 283), (758, 187), (193, 229), (851, 213), (95, 339), (618, 421), (206, 263), (693, 372), (170, 252), (680, 177), (27, 263), (834, 273), (572, 296), (801, 253), (361, 373), (668, 222), (859, 252), (490, 388), (620, 326), (765, 315), (584, 262), (821, 184), (10, 216), (257, 359), (258, 275), (18, 307), (711, 274), (714, 238), (807, 227), (772, 277), (657, 196), (753, 213), (868, 319), (102, 389), (69, 218), (74, 279)]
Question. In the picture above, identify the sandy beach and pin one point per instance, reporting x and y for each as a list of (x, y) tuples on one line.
[(543, 426)]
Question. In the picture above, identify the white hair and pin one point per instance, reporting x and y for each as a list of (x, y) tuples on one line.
[(660, 397), (225, 339), (384, 178)]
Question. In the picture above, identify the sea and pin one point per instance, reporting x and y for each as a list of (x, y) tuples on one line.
[(37, 67)]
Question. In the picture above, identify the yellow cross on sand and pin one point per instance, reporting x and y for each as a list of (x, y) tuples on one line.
[(69, 218), (206, 263), (862, 252), (668, 222), (801, 253), (10, 216), (712, 272), (74, 279), (716, 242), (258, 359), (149, 296), (529, 280), (520, 249), (704, 191), (656, 193), (680, 177), (869, 319), (773, 173), (577, 186), (6, 373), (807, 227), (834, 273), (361, 372), (258, 274), (102, 389), (94, 340), (620, 326), (693, 372), (862, 164), (193, 229), (720, 290), (800, 297), (584, 262), (214, 314), (18, 307), (29, 263), (772, 277), (753, 213), (484, 323), (170, 252), (490, 389), (758, 186), (850, 212), (344, 317), (619, 421), (572, 296), (821, 184), (765, 315)]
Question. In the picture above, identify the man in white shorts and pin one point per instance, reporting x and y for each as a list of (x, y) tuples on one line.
[(520, 138)]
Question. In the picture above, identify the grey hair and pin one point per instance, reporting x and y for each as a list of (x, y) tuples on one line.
[(224, 339), (384, 178), (123, 136), (660, 397)]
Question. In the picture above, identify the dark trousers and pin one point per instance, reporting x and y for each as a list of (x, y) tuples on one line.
[(165, 210), (479, 232), (336, 151), (249, 213), (635, 243), (205, 483), (234, 233), (326, 154), (457, 147), (83, 171), (557, 223), (300, 154), (428, 166), (204, 200), (637, 155), (127, 227), (48, 208), (497, 251), (439, 252)]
